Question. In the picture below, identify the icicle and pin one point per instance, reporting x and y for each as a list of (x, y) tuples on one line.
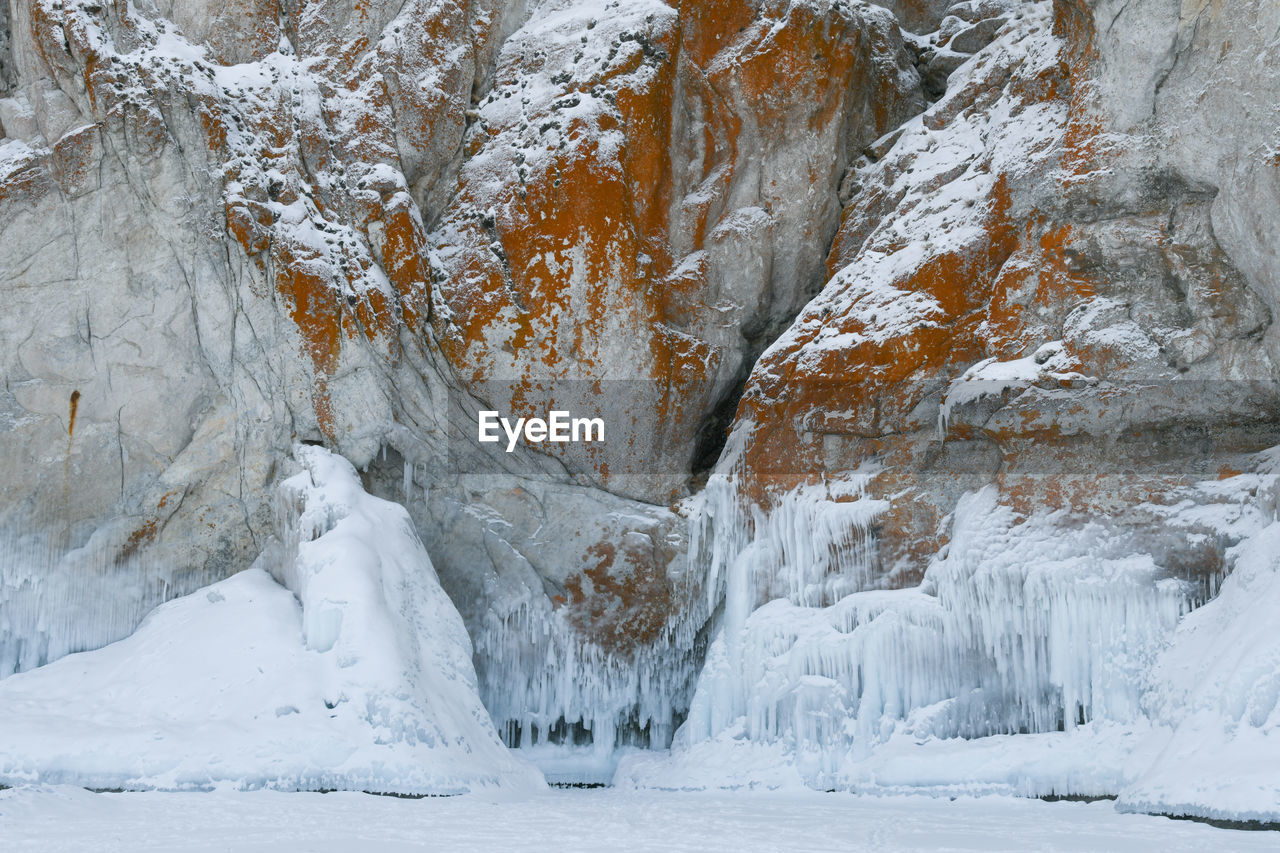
[(1028, 628)]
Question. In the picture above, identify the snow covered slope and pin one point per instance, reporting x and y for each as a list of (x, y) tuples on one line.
[(356, 677), (1218, 688)]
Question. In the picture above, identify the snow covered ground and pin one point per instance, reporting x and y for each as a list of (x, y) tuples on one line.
[(61, 818)]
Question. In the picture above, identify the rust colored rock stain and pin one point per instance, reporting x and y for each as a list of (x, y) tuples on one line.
[(142, 535), (71, 419), (66, 462), (623, 601), (145, 533)]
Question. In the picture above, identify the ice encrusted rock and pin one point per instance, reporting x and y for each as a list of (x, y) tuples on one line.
[(1056, 435), (229, 227), (1218, 687), (1038, 657), (356, 674)]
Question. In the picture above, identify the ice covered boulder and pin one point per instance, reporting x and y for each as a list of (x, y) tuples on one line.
[(360, 678)]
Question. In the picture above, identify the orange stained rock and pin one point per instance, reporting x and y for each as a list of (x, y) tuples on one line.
[(1002, 293), (404, 257), (71, 416), (301, 278), (145, 533), (623, 601), (709, 26)]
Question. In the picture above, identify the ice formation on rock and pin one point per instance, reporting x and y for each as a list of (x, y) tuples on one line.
[(356, 674), (1068, 456), (1038, 657), (586, 624), (1217, 686)]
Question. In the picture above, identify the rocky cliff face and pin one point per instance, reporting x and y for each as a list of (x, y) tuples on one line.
[(930, 249), (241, 227), (1023, 280)]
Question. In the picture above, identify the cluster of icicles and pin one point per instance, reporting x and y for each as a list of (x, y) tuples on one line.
[(543, 684), (56, 599), (1019, 626)]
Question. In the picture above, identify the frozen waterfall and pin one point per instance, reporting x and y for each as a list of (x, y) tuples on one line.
[(1029, 661)]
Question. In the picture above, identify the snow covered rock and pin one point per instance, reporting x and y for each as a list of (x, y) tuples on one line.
[(1002, 231), (357, 676), (1014, 256), (1046, 373), (1218, 687), (647, 198)]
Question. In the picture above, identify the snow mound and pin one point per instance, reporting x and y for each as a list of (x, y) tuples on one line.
[(1219, 685), (363, 681)]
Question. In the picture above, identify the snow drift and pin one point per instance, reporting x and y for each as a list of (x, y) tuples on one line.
[(362, 681), (1219, 690)]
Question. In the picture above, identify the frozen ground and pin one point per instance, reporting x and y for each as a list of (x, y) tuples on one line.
[(63, 818)]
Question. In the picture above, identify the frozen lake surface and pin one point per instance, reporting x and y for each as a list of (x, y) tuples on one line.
[(64, 818)]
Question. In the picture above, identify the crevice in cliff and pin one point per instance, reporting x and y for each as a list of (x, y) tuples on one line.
[(714, 430), (6, 55), (934, 56)]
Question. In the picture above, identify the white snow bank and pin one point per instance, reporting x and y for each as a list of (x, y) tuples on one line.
[(367, 684), (1219, 684), (54, 819), (1094, 759)]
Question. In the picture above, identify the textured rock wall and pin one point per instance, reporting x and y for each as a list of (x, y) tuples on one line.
[(647, 196), (6, 55), (229, 227), (1027, 425), (969, 245), (1025, 279), (206, 262)]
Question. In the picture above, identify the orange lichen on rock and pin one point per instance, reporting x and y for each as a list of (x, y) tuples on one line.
[(862, 371), (870, 386), (577, 245), (313, 305), (623, 600), (146, 532), (26, 181), (404, 257)]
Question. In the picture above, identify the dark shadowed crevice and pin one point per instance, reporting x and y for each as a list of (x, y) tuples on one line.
[(713, 433), (7, 73)]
